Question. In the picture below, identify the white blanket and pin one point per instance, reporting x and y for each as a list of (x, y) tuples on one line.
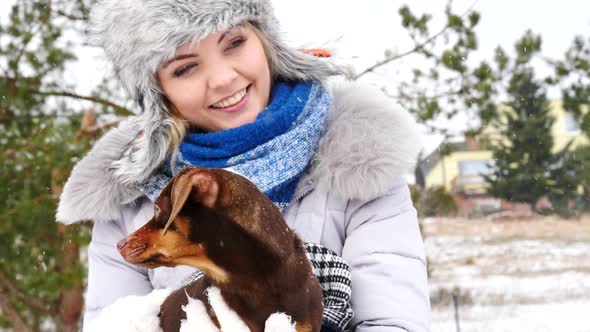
[(140, 314)]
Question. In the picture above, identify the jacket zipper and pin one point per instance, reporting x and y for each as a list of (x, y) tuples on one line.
[(310, 188)]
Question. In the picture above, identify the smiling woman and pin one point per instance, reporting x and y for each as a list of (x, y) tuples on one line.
[(218, 88), (221, 82)]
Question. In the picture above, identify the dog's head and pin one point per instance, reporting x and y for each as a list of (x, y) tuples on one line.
[(211, 219)]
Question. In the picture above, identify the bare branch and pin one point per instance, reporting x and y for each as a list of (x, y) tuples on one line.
[(89, 128), (436, 96), (416, 48), (399, 56), (70, 16), (120, 110), (21, 295)]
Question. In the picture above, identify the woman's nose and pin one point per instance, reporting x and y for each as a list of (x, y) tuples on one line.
[(221, 76)]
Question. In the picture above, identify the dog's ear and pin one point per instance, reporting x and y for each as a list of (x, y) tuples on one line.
[(201, 183)]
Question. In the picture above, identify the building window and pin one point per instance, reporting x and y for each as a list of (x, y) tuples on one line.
[(571, 125), (475, 167), (470, 178)]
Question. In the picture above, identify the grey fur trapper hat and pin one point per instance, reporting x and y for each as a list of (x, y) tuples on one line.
[(138, 35)]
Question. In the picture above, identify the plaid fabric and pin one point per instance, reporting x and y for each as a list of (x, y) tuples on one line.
[(334, 277)]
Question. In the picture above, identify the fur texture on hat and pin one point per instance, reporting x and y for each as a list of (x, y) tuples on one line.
[(138, 35)]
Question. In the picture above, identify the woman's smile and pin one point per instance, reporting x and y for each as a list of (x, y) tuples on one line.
[(233, 103)]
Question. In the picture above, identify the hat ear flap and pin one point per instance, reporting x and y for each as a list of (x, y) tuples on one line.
[(148, 152)]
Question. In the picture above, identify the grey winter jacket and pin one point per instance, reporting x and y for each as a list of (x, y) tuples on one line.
[(353, 200)]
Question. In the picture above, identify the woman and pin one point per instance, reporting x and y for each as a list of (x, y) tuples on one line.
[(218, 88)]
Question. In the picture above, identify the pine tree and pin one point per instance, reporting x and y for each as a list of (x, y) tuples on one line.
[(572, 193), (41, 137), (570, 189), (523, 156)]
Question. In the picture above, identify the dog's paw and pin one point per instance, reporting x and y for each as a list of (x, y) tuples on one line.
[(279, 322), (197, 318)]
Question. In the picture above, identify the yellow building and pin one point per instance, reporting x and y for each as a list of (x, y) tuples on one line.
[(460, 170)]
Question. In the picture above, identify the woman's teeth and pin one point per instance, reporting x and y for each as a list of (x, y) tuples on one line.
[(236, 98)]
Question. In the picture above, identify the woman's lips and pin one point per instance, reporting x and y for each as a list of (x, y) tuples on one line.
[(235, 107)]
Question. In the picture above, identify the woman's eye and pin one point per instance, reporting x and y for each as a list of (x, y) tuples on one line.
[(236, 43), (184, 69)]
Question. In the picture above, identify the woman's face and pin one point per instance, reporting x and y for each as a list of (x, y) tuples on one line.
[(220, 83)]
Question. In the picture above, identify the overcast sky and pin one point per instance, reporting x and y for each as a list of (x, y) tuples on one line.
[(360, 31), (366, 27)]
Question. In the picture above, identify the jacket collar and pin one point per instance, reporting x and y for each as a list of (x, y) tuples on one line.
[(369, 142)]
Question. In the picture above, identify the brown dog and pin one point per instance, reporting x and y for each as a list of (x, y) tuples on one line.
[(220, 223)]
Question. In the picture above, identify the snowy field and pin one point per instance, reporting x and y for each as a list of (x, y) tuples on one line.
[(509, 276)]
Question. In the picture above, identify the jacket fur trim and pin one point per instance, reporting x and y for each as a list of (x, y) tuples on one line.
[(368, 143)]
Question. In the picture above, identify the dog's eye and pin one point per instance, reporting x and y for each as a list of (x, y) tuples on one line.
[(156, 210)]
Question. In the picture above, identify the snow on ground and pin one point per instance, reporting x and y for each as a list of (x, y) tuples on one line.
[(509, 276), (563, 317)]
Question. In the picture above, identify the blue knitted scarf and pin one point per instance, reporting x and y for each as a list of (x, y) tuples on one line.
[(272, 151)]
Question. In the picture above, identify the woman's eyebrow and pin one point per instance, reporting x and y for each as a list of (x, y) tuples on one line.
[(223, 35), (232, 30), (180, 57)]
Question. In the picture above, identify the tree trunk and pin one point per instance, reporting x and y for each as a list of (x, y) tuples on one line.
[(71, 300)]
